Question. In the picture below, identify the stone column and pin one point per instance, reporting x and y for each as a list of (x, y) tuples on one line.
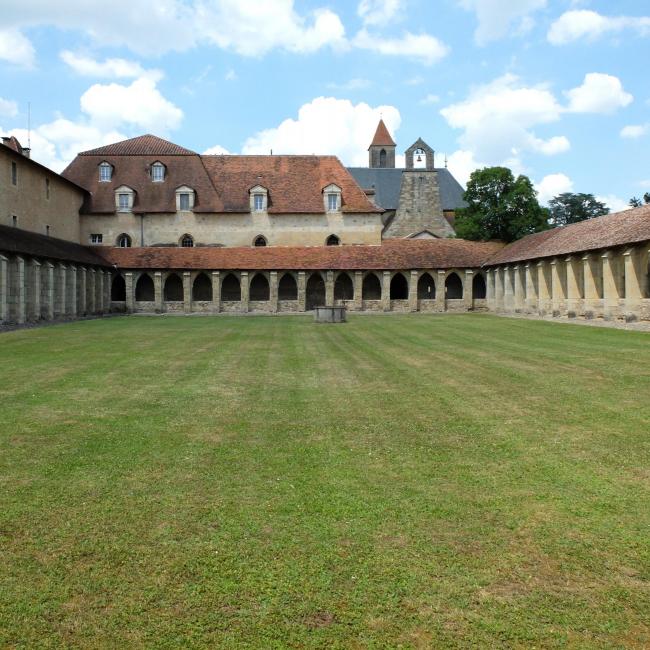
[(48, 292), (611, 289), (158, 291), (81, 279), (108, 281), (635, 280), (34, 308), (532, 297), (4, 290), (130, 292), (413, 291), (441, 291), (329, 289), (302, 291), (245, 291), (92, 294), (468, 289), (558, 293), (61, 292), (358, 290), (499, 288), (273, 292), (20, 286), (99, 291), (520, 279), (489, 289), (71, 287), (574, 286), (545, 286), (187, 292), (385, 291), (216, 292), (508, 289)]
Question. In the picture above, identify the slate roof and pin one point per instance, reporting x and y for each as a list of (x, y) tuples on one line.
[(387, 183), (382, 137), (618, 229), (23, 242), (143, 145), (403, 254)]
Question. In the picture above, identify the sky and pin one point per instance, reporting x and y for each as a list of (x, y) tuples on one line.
[(554, 89)]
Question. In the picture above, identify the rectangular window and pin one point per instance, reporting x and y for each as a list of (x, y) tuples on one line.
[(332, 201), (47, 231), (258, 202), (157, 173), (47, 188), (14, 173), (184, 201), (105, 173), (14, 221), (123, 201), (96, 238)]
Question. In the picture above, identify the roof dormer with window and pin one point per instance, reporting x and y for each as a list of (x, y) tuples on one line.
[(332, 198), (124, 199), (105, 172), (259, 198), (185, 198), (158, 172)]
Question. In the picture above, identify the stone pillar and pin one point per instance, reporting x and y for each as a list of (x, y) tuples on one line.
[(413, 291), (245, 291), (558, 287), (130, 292), (48, 293), (302, 291), (468, 289), (273, 295), (489, 289), (499, 289), (520, 279), (532, 297), (216, 292), (158, 291), (358, 290), (71, 287), (329, 289), (61, 292), (4, 289), (108, 281), (187, 292), (508, 289), (574, 286), (99, 292), (81, 280), (34, 310), (92, 294), (611, 289), (441, 291), (385, 291), (20, 286), (635, 279), (545, 286)]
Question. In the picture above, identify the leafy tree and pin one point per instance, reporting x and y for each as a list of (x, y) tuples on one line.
[(635, 202), (569, 208), (500, 206)]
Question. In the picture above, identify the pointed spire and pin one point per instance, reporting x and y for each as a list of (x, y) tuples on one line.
[(382, 136)]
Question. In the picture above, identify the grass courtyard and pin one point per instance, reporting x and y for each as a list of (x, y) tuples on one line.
[(405, 481)]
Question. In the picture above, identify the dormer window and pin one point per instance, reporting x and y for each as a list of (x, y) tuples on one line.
[(124, 196), (184, 199), (105, 172), (259, 199), (157, 172), (332, 194)]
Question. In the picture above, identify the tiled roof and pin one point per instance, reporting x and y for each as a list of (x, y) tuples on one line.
[(13, 143), (143, 145), (618, 229), (382, 137), (295, 183), (392, 254), (23, 242)]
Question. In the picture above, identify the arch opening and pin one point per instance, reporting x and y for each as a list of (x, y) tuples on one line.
[(118, 289), (426, 287), (371, 287), (315, 292), (144, 290), (287, 288), (343, 287), (173, 290), (479, 290), (453, 287), (332, 240), (399, 287), (260, 240), (231, 288), (259, 288), (202, 288), (124, 241)]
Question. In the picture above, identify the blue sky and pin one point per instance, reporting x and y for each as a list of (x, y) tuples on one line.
[(555, 89)]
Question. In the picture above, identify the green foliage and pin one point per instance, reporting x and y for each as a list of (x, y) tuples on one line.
[(500, 207), (635, 202), (569, 208)]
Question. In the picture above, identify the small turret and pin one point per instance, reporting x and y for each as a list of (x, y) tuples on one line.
[(382, 148)]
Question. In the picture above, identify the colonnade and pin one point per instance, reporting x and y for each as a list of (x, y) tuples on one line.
[(34, 289), (612, 283)]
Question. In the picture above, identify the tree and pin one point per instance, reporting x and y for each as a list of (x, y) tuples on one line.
[(634, 202), (500, 207), (569, 208)]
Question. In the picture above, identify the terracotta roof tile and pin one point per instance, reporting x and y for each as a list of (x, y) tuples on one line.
[(620, 228), (143, 145), (392, 254), (382, 137)]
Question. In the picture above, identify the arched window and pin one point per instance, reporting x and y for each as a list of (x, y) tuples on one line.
[(187, 241), (419, 159), (157, 172), (260, 240), (399, 287), (124, 241), (371, 287), (426, 287), (118, 289), (315, 291), (259, 288), (382, 158), (230, 289), (287, 289), (453, 287), (202, 288), (479, 290), (105, 172), (144, 290), (343, 287), (173, 291), (332, 240)]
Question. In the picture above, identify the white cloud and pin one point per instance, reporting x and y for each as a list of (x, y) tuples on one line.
[(497, 18), (327, 126), (430, 99), (424, 48), (110, 68), (379, 12), (217, 150), (15, 48), (461, 164), (590, 25), (599, 93), (8, 108), (552, 185), (614, 203), (635, 130)]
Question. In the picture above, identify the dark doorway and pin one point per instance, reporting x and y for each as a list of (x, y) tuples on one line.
[(315, 291), (202, 288), (343, 287), (144, 291), (287, 289), (259, 289), (118, 289), (230, 289), (399, 287), (478, 287), (426, 287), (371, 288), (453, 287), (173, 288)]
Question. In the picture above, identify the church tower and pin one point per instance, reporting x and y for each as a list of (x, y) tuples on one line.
[(382, 148)]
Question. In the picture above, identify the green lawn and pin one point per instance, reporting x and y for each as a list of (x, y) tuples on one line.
[(404, 481)]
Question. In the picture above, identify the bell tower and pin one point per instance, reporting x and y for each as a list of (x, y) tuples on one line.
[(381, 151)]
